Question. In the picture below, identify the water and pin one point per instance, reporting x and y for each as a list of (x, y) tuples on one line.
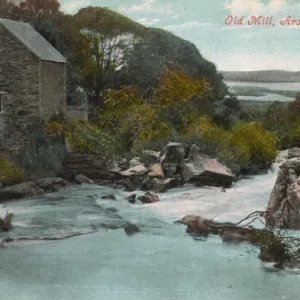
[(160, 262), (279, 91)]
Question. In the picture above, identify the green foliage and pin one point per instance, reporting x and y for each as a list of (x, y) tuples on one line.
[(130, 119), (243, 143), (86, 138), (208, 136), (273, 247), (158, 51), (5, 223), (251, 143), (10, 173), (179, 96)]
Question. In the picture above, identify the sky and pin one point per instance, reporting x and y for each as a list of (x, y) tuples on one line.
[(232, 47)]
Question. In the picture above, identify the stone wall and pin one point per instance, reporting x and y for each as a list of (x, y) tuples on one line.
[(77, 113), (53, 88), (19, 78)]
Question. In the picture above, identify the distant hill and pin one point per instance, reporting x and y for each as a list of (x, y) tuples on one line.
[(262, 76)]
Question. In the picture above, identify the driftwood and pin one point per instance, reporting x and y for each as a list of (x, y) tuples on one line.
[(273, 246)]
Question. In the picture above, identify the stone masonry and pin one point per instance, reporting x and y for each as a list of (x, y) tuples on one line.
[(31, 88)]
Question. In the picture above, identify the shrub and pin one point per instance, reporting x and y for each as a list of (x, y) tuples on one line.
[(176, 86), (10, 173), (251, 143), (208, 136), (87, 138), (5, 223)]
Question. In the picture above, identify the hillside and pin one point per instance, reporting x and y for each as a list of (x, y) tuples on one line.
[(262, 76)]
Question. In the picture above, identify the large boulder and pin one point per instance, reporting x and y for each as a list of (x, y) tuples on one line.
[(202, 170), (150, 157), (52, 184), (87, 165), (21, 190), (136, 170), (156, 170), (135, 162), (162, 185), (82, 179), (283, 210), (172, 158), (33, 188), (173, 153)]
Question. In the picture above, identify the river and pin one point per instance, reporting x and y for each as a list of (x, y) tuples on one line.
[(264, 91), (160, 262)]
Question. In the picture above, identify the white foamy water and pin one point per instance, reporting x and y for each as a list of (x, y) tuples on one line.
[(161, 262)]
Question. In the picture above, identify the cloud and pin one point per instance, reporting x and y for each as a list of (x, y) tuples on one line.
[(188, 25), (150, 7), (148, 21), (72, 6), (255, 7)]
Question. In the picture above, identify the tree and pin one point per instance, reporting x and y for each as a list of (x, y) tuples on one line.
[(6, 9), (180, 97), (36, 9), (108, 38)]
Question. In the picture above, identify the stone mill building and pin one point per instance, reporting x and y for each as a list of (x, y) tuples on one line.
[(32, 82)]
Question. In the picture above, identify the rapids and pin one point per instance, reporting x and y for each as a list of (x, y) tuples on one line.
[(99, 262)]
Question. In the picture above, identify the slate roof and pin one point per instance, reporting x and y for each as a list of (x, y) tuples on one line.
[(27, 35)]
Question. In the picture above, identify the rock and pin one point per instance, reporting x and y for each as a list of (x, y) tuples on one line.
[(162, 185), (148, 198), (123, 164), (112, 209), (108, 197), (150, 157), (87, 165), (137, 170), (205, 171), (131, 229), (174, 153), (21, 190), (52, 184), (81, 179), (283, 210), (194, 150), (147, 184), (131, 199), (195, 225), (170, 169), (135, 162), (294, 152), (156, 170)]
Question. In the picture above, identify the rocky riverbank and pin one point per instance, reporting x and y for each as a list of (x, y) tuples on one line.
[(152, 171), (283, 209)]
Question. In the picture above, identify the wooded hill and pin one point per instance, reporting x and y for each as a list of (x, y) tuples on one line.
[(107, 50)]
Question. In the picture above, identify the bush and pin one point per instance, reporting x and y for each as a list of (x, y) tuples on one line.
[(10, 173), (245, 144), (87, 138), (252, 144), (207, 135), (5, 223)]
